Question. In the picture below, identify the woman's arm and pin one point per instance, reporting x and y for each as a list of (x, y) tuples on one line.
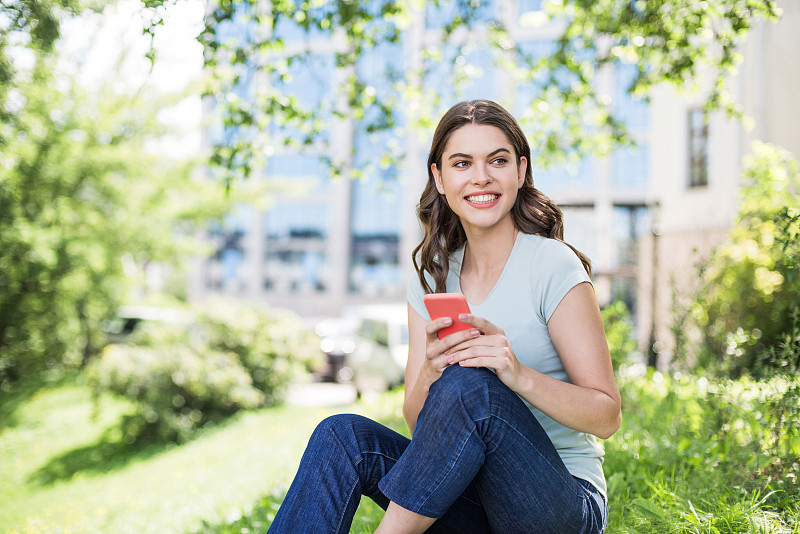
[(590, 402), (416, 391), (426, 360)]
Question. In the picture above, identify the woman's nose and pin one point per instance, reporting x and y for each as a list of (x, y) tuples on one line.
[(481, 175)]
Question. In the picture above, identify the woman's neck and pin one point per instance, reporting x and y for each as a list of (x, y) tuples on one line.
[(485, 257)]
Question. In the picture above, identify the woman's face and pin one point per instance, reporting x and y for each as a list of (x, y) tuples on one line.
[(480, 177)]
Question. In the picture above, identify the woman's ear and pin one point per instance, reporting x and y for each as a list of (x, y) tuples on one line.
[(523, 166), (437, 177)]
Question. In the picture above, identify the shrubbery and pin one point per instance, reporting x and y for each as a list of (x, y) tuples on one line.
[(181, 377), (619, 329), (695, 455), (751, 285)]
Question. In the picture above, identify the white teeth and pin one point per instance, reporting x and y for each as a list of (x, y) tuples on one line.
[(478, 199)]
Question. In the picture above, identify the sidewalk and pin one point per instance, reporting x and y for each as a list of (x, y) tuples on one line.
[(320, 394)]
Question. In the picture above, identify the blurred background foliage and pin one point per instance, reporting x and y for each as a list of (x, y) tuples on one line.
[(203, 365), (86, 205), (745, 310), (671, 41), (620, 333), (81, 197)]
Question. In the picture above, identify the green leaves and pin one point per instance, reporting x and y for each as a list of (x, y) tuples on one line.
[(619, 330), (749, 293), (182, 376), (673, 41), (85, 207), (648, 509), (699, 455)]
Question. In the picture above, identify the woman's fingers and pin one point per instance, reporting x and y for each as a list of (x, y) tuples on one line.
[(480, 323), (433, 327), (437, 350), (466, 351), (492, 347)]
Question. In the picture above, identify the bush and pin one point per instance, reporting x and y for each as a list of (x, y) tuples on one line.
[(176, 388), (750, 286), (272, 346), (619, 329), (231, 357)]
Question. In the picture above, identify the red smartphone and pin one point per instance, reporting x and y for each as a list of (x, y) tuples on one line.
[(447, 305)]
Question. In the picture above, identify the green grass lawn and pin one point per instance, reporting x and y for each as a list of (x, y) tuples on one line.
[(680, 463), (63, 469)]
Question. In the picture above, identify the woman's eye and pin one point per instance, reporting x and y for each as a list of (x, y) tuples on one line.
[(500, 161), (461, 164)]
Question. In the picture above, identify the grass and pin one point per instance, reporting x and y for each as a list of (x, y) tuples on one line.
[(694, 457), (690, 458), (65, 469)]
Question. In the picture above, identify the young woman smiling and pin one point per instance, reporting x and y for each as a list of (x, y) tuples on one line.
[(505, 416)]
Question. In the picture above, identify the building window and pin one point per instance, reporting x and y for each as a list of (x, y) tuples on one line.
[(225, 268), (630, 224), (295, 259), (698, 148), (630, 168), (376, 224)]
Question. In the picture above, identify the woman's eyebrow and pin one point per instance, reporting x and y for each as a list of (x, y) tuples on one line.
[(494, 153)]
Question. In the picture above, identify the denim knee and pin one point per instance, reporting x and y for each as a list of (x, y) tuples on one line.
[(335, 422), (464, 383), (339, 425)]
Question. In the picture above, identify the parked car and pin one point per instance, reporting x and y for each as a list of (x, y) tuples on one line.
[(368, 347), (378, 360), (337, 340)]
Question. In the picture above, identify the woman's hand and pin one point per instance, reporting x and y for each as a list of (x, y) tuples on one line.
[(490, 350), (438, 351), (427, 359)]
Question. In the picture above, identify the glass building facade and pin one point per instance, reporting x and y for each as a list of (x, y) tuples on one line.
[(334, 242)]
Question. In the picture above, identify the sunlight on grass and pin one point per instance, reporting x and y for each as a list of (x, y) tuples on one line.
[(158, 488), (674, 466)]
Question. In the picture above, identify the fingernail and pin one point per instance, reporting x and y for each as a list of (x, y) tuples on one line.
[(475, 332), (448, 320), (462, 316), (450, 359)]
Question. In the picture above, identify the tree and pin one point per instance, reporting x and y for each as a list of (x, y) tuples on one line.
[(33, 24), (78, 192), (82, 194), (33, 27), (672, 41)]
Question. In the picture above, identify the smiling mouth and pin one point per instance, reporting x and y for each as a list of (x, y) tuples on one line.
[(482, 199)]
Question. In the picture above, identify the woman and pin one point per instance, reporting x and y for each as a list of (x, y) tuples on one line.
[(504, 416)]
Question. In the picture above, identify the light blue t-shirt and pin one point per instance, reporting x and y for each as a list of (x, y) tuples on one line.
[(538, 274)]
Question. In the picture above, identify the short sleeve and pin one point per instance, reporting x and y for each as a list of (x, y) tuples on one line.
[(559, 270), (414, 294)]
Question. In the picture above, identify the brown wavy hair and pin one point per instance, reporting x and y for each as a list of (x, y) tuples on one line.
[(532, 213)]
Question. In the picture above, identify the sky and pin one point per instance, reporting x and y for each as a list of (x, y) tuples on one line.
[(109, 48)]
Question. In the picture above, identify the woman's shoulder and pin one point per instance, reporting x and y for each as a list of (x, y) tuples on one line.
[(546, 246), (547, 255), (553, 269)]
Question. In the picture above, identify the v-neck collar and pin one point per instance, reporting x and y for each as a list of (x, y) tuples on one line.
[(458, 257)]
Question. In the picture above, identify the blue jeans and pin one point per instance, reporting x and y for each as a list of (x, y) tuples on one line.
[(479, 461)]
